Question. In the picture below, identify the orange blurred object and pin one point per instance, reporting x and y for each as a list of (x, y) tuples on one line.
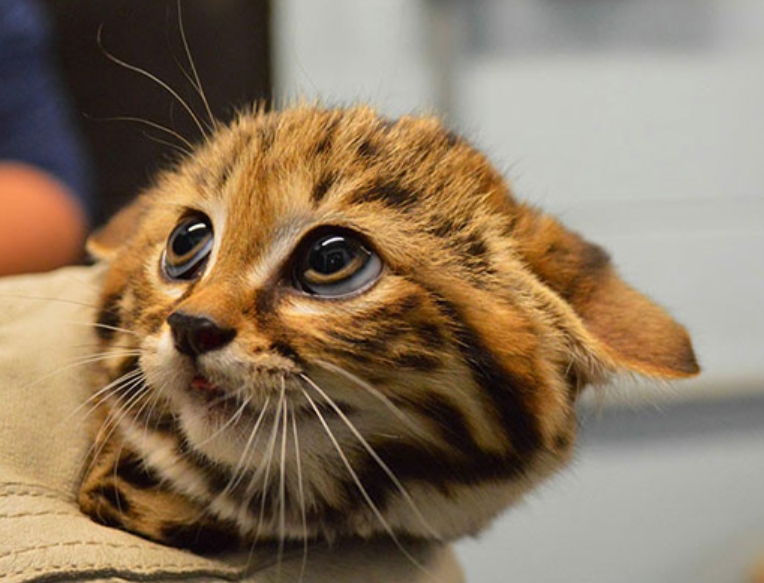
[(41, 226)]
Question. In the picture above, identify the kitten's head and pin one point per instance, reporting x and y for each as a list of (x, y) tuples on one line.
[(348, 320)]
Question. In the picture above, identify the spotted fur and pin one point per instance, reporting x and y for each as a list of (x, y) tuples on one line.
[(419, 407)]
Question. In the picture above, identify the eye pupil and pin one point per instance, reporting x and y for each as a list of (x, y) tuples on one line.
[(188, 238), (330, 256)]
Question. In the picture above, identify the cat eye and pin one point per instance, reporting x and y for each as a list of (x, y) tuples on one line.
[(188, 248), (336, 264)]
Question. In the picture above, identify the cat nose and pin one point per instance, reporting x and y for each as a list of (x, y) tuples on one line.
[(195, 335)]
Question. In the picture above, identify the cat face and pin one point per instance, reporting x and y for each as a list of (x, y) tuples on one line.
[(347, 326)]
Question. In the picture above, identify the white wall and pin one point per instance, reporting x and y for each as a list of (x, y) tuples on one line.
[(344, 51)]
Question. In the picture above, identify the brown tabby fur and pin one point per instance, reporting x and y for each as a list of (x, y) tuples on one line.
[(459, 367)]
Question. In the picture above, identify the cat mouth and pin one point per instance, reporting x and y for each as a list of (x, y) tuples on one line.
[(213, 397), (218, 397), (219, 401), (206, 388)]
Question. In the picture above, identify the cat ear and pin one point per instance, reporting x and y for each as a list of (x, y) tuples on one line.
[(634, 333), (104, 243)]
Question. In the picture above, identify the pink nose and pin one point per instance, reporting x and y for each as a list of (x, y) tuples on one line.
[(195, 335)]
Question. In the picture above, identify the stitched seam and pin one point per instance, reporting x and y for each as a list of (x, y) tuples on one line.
[(8, 492), (143, 570), (34, 495), (27, 485), (118, 546)]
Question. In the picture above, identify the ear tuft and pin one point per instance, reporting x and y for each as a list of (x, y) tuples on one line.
[(634, 333), (104, 243), (639, 335)]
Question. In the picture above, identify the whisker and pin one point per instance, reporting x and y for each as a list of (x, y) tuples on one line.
[(110, 346), (301, 492), (373, 391), (269, 460), (364, 493), (96, 398), (102, 355), (84, 282), (223, 399), (110, 424), (122, 445), (251, 489), (380, 462), (77, 362), (240, 469), (157, 391), (245, 505), (49, 299), (188, 149), (153, 78), (100, 325), (235, 418), (118, 415), (175, 147), (282, 486), (198, 84)]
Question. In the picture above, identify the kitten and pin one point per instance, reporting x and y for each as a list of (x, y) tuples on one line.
[(329, 324)]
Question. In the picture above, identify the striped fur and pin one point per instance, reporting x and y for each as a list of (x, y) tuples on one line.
[(420, 407)]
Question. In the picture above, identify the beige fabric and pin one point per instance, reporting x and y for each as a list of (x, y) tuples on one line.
[(44, 333)]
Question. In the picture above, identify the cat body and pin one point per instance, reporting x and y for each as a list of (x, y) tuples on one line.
[(328, 324)]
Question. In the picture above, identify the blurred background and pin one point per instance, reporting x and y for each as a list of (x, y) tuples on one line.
[(639, 123)]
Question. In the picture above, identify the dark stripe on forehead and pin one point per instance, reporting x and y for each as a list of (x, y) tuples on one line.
[(442, 226), (387, 124), (367, 149), (326, 142), (325, 182), (452, 138), (224, 175), (266, 134), (476, 246), (389, 193)]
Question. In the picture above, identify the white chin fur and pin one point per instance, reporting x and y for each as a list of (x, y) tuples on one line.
[(171, 373), (222, 445)]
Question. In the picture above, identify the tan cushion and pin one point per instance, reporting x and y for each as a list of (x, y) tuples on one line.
[(44, 335)]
